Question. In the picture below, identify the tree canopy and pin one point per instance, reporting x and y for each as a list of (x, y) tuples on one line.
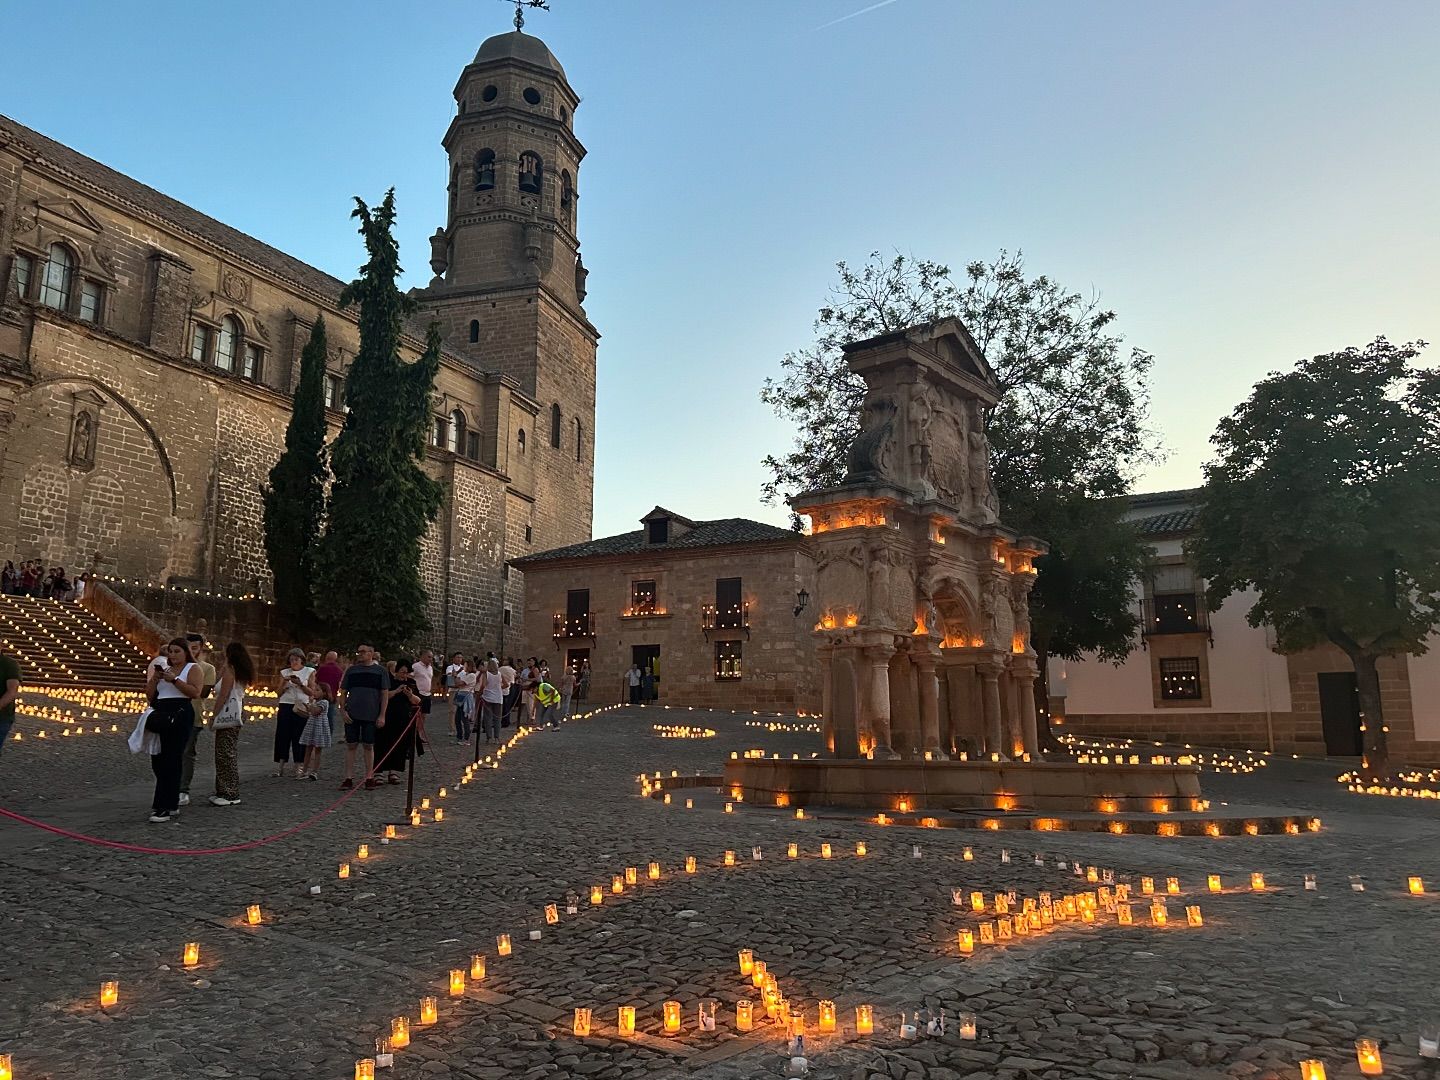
[(1067, 437), (382, 502), (294, 499), (1322, 499)]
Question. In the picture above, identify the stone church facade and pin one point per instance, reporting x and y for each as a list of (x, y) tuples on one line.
[(149, 353)]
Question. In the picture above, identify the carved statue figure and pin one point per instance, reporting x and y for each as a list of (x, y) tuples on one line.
[(990, 598), (82, 440), (920, 413), (1020, 607), (869, 455), (978, 460)]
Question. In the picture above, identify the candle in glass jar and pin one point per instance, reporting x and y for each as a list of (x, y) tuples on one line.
[(744, 1015), (457, 982), (1311, 1069), (825, 1020), (1367, 1054), (987, 933), (1159, 915), (191, 955), (414, 819), (729, 858), (1257, 882), (109, 994), (631, 875), (365, 1069), (1416, 885), (1193, 916), (757, 973), (825, 851), (390, 832), (966, 941), (502, 944), (977, 901), (747, 961), (439, 813), (1123, 915), (400, 1032), (429, 1011), (969, 1026), (581, 1024), (344, 870), (361, 852), (617, 884), (596, 895), (864, 1019), (705, 1016), (552, 913), (477, 966), (1147, 885), (860, 847), (626, 1020), (689, 864), (1213, 882), (793, 850), (671, 1012)]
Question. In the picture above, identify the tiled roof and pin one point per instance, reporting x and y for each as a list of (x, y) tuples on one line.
[(187, 218), (1177, 521), (1154, 498), (718, 533)]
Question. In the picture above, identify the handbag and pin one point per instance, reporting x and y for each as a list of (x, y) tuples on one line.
[(142, 740), (229, 715)]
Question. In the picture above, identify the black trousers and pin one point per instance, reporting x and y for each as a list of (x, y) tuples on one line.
[(176, 719), (289, 726)]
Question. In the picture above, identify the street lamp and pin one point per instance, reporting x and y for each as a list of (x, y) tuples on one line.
[(802, 601)]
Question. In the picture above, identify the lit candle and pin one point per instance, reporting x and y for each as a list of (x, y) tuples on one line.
[(1172, 885), (799, 813), (363, 851), (987, 933), (747, 961), (552, 914), (795, 1021), (864, 1019), (415, 819), (757, 973), (252, 914), (428, 1011), (860, 847), (968, 855), (689, 804), (400, 1032), (1367, 1053), (582, 1022), (439, 813), (793, 851), (365, 1069), (1257, 882), (1213, 881), (666, 800), (1003, 929), (729, 808), (390, 832), (1123, 915), (968, 1026), (626, 1020), (966, 940), (825, 1022), (653, 871), (977, 901), (1087, 914), (1193, 916), (109, 994), (729, 858), (631, 876), (477, 966), (825, 851), (1417, 885), (457, 982), (502, 944), (425, 803), (1159, 915), (672, 1017), (192, 954), (7, 1070), (617, 884), (596, 895), (1311, 1069), (744, 1015), (344, 870), (1147, 885), (689, 864)]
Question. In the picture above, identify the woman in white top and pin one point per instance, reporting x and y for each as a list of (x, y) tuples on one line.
[(465, 680), (492, 699), (172, 683), (296, 688)]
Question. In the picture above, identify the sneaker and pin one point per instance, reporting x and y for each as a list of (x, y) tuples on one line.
[(312, 776), (219, 800), (346, 784), (184, 798), (371, 785), (159, 817)]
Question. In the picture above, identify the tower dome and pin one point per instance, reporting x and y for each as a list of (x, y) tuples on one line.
[(517, 45)]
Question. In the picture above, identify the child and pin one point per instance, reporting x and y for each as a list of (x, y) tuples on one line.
[(316, 735)]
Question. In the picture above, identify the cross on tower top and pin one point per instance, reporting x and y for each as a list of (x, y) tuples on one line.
[(521, 5)]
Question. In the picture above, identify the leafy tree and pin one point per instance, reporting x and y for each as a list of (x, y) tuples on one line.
[(294, 500), (1323, 501), (382, 501), (1067, 436)]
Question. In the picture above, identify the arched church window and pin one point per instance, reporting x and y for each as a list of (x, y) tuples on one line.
[(225, 344), (439, 433), (567, 191), (579, 441), (455, 436), (555, 425), (485, 170), (532, 173), (59, 274), (520, 440), (474, 331)]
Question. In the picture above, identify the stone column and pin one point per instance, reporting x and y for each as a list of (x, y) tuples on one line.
[(929, 707), (845, 704), (1014, 742), (966, 729), (994, 726), (827, 699), (1029, 729), (904, 707), (877, 700)]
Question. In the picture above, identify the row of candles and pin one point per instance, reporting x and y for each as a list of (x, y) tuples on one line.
[(682, 731), (1414, 784)]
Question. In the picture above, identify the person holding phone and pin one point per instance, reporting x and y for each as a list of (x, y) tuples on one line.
[(296, 687), (172, 683)]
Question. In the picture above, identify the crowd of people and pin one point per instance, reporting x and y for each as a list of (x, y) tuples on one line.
[(379, 708), (31, 578)]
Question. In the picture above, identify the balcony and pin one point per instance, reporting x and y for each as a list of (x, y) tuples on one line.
[(725, 620), (1174, 613), (573, 626)]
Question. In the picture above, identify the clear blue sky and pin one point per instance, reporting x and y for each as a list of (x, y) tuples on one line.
[(1245, 183)]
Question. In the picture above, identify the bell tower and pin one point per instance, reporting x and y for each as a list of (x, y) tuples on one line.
[(509, 285)]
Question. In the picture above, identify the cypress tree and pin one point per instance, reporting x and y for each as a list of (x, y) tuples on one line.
[(294, 499), (381, 502)]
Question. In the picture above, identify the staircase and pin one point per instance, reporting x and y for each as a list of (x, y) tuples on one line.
[(62, 644)]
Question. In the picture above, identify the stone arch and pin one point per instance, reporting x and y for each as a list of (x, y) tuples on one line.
[(958, 610)]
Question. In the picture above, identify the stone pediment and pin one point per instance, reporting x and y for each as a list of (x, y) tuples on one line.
[(71, 213)]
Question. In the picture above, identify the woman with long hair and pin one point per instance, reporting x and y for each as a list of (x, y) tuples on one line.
[(395, 732), (229, 716), (296, 688), (172, 682)]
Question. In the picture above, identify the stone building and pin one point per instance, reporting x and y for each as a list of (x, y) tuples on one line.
[(717, 612), (148, 354), (1210, 678)]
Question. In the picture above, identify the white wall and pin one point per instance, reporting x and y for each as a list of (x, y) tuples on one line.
[(1425, 691)]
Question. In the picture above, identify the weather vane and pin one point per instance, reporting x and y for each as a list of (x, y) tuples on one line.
[(521, 5)]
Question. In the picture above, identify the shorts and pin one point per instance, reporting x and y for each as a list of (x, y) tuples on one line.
[(425, 700), (360, 731)]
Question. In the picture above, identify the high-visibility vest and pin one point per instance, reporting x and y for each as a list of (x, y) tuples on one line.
[(547, 694)]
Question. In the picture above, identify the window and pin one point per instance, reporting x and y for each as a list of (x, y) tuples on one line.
[(251, 365), (485, 170), (92, 295), (474, 331), (728, 609), (59, 272), (507, 616), (567, 191), (455, 440), (642, 597), (1175, 602), (472, 445), (1180, 678), (489, 94), (579, 441), (24, 271), (727, 659), (440, 433), (200, 343), (555, 425), (334, 391), (529, 534), (225, 344), (657, 531), (520, 440), (531, 96), (532, 173)]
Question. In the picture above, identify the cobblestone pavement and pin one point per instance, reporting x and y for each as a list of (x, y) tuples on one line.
[(1269, 979)]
